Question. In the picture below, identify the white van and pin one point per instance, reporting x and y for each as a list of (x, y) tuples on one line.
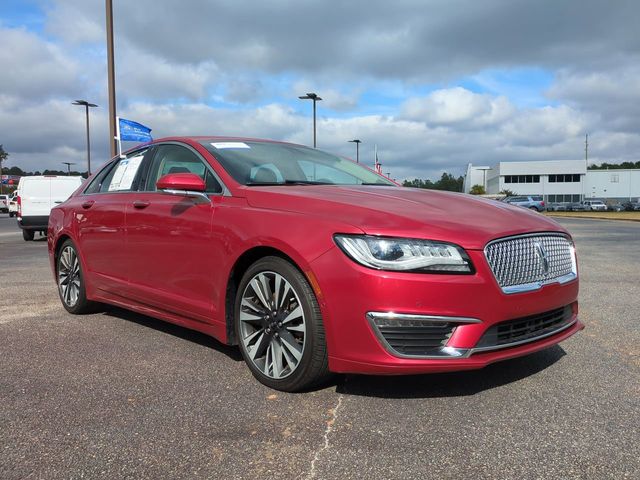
[(37, 195)]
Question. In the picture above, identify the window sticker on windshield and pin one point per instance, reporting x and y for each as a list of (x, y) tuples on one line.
[(125, 173), (222, 145)]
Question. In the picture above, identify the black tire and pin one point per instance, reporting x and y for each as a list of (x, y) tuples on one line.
[(76, 303), (313, 366), (28, 235), (534, 208), (11, 214)]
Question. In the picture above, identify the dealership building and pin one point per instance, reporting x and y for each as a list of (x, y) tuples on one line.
[(559, 181)]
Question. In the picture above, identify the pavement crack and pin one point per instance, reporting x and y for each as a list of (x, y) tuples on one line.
[(326, 438)]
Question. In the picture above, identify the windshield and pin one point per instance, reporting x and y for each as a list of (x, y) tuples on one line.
[(262, 163)]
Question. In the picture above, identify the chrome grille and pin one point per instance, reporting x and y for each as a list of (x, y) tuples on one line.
[(527, 262)]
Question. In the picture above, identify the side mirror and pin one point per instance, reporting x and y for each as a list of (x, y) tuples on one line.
[(183, 184)]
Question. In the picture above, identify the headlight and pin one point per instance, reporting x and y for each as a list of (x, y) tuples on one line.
[(405, 254)]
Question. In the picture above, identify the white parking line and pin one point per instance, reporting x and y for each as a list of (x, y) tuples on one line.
[(8, 234)]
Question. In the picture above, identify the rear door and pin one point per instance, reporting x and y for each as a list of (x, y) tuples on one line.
[(61, 188), (100, 215), (36, 197), (171, 251)]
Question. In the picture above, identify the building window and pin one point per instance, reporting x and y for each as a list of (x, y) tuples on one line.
[(522, 179), (615, 178), (564, 178)]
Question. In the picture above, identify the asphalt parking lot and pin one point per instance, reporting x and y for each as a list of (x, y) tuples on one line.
[(120, 395)]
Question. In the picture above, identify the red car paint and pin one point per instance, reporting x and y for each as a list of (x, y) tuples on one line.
[(144, 251)]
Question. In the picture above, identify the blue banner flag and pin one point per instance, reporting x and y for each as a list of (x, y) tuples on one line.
[(133, 131)]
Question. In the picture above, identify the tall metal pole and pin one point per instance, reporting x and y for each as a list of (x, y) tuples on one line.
[(315, 98), (357, 142), (111, 79), (314, 122), (86, 110)]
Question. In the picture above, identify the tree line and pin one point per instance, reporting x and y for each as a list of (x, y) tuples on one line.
[(446, 182), (615, 166)]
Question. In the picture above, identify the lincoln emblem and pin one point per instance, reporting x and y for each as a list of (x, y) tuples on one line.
[(541, 253)]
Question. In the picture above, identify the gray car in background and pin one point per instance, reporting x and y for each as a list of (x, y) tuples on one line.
[(534, 202)]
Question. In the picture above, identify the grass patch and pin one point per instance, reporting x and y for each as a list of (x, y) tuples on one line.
[(632, 216)]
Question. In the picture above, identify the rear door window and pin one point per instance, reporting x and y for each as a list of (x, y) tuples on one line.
[(178, 159)]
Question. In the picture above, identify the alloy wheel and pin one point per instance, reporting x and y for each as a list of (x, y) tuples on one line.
[(69, 276), (272, 325)]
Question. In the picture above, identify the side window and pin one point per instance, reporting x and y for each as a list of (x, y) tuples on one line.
[(118, 176), (177, 159), (122, 175)]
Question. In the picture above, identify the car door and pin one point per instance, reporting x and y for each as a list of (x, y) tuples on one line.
[(100, 219), (170, 247)]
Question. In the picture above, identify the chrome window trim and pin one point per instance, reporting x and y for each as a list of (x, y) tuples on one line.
[(533, 286)]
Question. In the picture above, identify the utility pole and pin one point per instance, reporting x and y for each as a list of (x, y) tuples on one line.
[(586, 150), (111, 79)]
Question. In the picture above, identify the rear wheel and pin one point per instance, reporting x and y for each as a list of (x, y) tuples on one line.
[(70, 278), (279, 326), (28, 235)]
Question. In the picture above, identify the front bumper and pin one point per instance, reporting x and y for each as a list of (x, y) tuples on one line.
[(348, 291)]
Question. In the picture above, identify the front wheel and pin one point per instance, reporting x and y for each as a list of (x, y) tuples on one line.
[(279, 326), (71, 286)]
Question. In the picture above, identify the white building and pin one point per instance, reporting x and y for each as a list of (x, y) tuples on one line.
[(557, 180)]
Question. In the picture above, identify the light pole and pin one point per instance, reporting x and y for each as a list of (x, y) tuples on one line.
[(68, 164), (357, 142), (111, 82), (86, 111), (315, 98)]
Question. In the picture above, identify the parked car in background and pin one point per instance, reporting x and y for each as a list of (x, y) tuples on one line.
[(631, 206), (312, 263), (556, 207), (13, 204), (615, 207), (595, 205), (576, 207), (4, 203), (534, 202), (37, 195)]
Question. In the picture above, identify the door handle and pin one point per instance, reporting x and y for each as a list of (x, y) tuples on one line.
[(140, 204), (88, 204)]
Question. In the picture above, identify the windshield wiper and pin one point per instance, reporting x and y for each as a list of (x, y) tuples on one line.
[(286, 182), (378, 184)]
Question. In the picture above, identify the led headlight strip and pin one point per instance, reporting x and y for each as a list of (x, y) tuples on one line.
[(405, 254)]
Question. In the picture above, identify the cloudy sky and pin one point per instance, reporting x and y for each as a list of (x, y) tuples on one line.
[(434, 83)]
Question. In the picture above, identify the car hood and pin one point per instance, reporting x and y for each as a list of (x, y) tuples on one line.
[(463, 219)]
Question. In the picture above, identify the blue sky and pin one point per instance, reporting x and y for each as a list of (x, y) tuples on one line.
[(434, 84)]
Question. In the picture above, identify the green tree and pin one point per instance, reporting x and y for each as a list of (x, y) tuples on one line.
[(477, 190), (446, 182), (3, 156), (506, 192)]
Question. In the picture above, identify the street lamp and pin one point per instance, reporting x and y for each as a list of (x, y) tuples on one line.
[(315, 98), (357, 142), (86, 106), (68, 164)]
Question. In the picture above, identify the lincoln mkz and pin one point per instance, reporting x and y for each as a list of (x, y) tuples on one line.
[(311, 263)]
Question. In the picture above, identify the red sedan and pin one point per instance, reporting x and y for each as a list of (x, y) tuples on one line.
[(312, 263)]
